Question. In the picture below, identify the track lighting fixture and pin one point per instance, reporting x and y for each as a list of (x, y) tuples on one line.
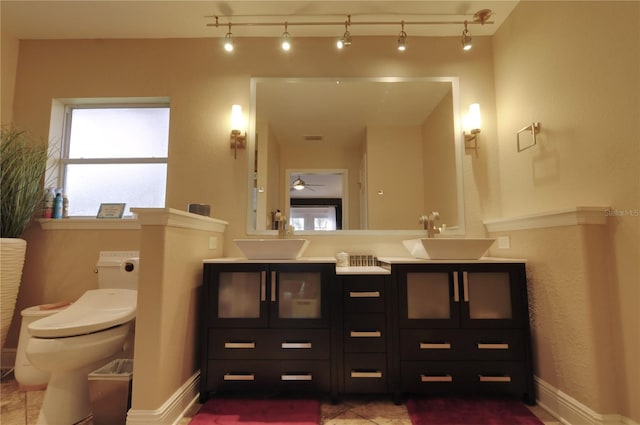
[(285, 40), (466, 38), (480, 17), (402, 39), (345, 40), (228, 41)]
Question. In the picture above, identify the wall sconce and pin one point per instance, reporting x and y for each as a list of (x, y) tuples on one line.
[(238, 135), (471, 124)]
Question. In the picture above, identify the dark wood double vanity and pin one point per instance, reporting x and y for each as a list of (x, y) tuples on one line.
[(404, 327)]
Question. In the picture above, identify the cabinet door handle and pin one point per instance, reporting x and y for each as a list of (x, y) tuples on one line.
[(494, 378), (305, 345), (273, 286), (364, 294), (263, 285), (465, 284), (296, 377), (240, 345), (365, 334), (366, 374), (435, 346), (456, 290), (483, 346), (436, 378), (239, 377)]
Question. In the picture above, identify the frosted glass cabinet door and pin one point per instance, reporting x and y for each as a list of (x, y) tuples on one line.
[(428, 296), (239, 295), (300, 295), (489, 295)]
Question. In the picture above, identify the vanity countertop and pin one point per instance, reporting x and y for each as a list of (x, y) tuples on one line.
[(236, 260), (483, 260)]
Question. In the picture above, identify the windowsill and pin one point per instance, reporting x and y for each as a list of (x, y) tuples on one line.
[(167, 217), (89, 223)]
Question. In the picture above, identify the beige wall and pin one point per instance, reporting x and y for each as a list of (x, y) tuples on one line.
[(439, 163), (394, 177), (574, 67), (9, 47)]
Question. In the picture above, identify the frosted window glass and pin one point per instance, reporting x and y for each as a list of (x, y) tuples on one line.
[(119, 133), (428, 296), (489, 296), (239, 295), (137, 185)]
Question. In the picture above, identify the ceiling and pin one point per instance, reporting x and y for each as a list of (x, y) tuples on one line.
[(54, 19)]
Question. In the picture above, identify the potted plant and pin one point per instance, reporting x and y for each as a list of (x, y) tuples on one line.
[(22, 168)]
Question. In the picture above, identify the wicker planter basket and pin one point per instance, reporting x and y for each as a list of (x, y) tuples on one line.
[(12, 254)]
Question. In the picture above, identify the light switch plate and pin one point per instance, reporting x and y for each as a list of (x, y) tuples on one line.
[(504, 242), (213, 242)]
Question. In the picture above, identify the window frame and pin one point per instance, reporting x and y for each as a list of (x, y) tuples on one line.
[(65, 146)]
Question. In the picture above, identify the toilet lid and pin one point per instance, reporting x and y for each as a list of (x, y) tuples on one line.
[(96, 310)]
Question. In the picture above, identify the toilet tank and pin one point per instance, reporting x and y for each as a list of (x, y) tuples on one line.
[(118, 269)]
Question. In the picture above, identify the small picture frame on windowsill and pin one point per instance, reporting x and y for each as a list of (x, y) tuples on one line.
[(111, 211)]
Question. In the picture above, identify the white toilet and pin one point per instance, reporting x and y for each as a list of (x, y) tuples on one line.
[(84, 336)]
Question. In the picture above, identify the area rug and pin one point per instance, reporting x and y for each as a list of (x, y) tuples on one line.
[(227, 411), (469, 411)]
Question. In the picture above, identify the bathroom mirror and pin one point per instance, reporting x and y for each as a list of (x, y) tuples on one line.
[(395, 142)]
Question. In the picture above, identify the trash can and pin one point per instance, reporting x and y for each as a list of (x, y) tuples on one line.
[(110, 392)]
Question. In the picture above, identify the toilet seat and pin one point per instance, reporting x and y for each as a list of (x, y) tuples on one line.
[(96, 310)]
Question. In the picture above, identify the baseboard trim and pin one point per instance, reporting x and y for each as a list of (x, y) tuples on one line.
[(570, 411), (172, 410)]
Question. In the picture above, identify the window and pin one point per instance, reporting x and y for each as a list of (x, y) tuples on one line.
[(115, 154)]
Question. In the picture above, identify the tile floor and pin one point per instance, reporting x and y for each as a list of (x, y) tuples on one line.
[(21, 408)]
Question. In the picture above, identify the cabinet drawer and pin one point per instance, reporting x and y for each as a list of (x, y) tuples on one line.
[(365, 373), (271, 375), (365, 333), (456, 344), (269, 344), (364, 294), (505, 378)]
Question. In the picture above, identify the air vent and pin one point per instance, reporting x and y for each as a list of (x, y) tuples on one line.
[(313, 137)]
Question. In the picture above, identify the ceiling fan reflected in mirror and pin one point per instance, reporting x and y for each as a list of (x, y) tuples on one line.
[(299, 184)]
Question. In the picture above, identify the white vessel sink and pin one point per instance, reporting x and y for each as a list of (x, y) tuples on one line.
[(448, 248), (272, 249)]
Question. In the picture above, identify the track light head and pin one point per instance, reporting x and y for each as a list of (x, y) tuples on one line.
[(466, 38), (402, 39), (345, 40), (285, 40), (228, 41)]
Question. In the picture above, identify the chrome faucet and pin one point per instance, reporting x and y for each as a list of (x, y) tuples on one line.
[(281, 220), (428, 221)]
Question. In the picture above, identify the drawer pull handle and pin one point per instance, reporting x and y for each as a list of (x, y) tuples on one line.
[(465, 286), (263, 285), (239, 377), (365, 334), (306, 345), (239, 345), (435, 346), (456, 290), (372, 374), (494, 378), (364, 294), (436, 378), (482, 346), (294, 377)]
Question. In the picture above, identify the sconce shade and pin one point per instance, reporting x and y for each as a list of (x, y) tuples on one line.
[(472, 119), (237, 120), (238, 134)]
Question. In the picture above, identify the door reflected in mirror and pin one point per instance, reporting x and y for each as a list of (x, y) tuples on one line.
[(392, 145)]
